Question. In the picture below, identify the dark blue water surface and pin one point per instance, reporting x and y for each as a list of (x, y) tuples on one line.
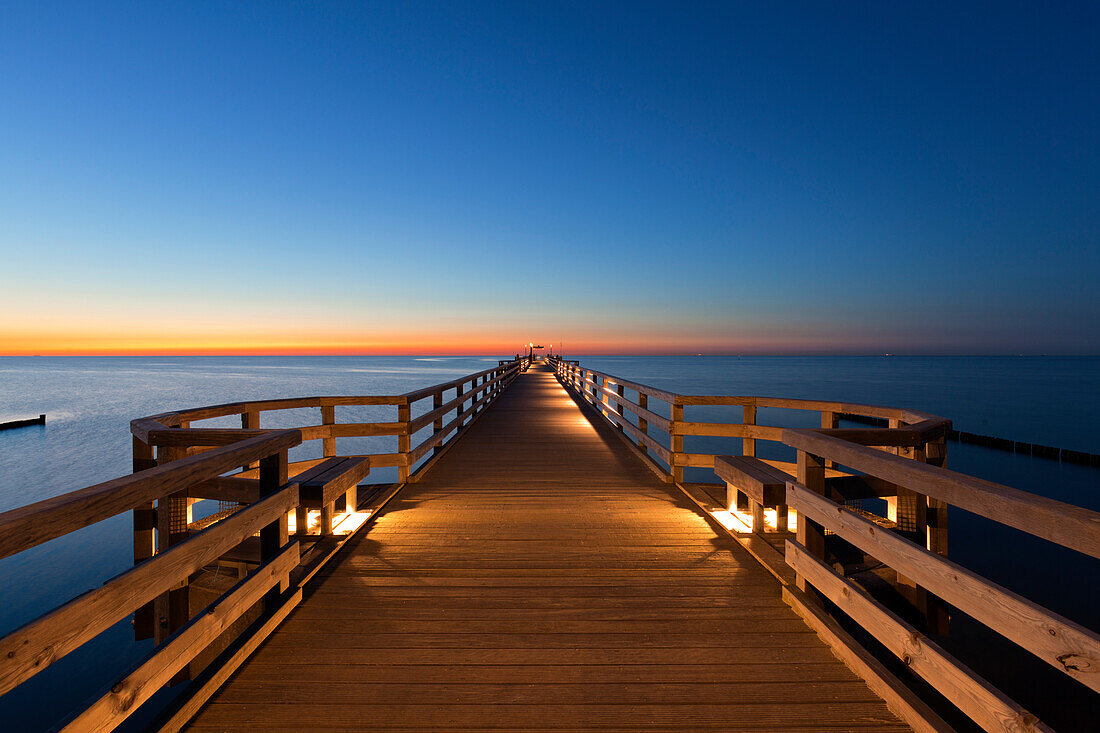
[(90, 401)]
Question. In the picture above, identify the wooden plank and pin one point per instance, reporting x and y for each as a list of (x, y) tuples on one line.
[(900, 699), (983, 703), (34, 646), (134, 689), (1061, 643), (749, 716), (763, 483), (1070, 526), (328, 481), (641, 411), (227, 488), (36, 523), (186, 437), (197, 698)]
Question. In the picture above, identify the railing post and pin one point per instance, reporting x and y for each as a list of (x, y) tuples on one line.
[(172, 609), (829, 421), (145, 537), (643, 424), (938, 612), (328, 417), (404, 442), (437, 424), (748, 417), (910, 514), (811, 535), (273, 537), (935, 453), (676, 442), (459, 394), (250, 421), (619, 405)]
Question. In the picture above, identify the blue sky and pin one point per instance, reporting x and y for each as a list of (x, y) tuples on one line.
[(764, 178)]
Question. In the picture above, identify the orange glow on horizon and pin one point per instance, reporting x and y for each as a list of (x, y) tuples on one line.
[(418, 339)]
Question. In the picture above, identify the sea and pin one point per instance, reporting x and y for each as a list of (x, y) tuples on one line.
[(89, 402)]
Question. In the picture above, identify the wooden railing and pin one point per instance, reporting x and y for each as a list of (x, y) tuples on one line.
[(471, 394), (836, 469), (175, 465), (31, 648)]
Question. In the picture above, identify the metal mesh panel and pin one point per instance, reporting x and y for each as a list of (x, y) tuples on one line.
[(177, 515)]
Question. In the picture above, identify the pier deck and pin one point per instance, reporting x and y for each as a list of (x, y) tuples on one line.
[(541, 577)]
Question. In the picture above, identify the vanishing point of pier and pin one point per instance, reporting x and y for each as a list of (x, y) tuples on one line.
[(542, 563)]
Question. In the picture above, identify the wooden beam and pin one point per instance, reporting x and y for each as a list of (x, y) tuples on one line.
[(209, 685), (34, 646), (983, 703), (139, 685), (1061, 643), (1065, 524), (899, 698)]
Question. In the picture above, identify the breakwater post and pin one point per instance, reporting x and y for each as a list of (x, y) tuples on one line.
[(1012, 446)]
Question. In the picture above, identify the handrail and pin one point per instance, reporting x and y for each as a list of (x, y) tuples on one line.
[(33, 524), (37, 644), (903, 464), (173, 428), (1065, 524), (910, 428), (30, 648)]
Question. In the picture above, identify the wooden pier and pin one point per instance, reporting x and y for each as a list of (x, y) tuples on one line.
[(540, 576), (541, 563)]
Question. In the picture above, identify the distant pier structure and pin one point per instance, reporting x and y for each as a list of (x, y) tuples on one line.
[(40, 420), (542, 562)]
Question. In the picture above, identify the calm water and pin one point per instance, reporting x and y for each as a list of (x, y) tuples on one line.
[(90, 401)]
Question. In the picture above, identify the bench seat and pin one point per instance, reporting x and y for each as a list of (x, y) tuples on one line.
[(331, 482), (763, 484)]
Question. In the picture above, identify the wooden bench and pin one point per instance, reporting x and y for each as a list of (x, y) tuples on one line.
[(765, 486), (328, 486)]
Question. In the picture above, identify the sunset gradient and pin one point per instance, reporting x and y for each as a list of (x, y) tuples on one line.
[(269, 178)]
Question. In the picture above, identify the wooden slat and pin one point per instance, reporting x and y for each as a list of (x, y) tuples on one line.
[(194, 701), (901, 700), (132, 691), (983, 703), (187, 437), (366, 429), (1070, 526), (1061, 643), (227, 488), (44, 520), (34, 646), (651, 417)]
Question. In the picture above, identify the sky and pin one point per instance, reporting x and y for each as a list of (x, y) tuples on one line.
[(620, 177)]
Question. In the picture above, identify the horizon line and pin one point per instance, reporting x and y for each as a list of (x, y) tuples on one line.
[(588, 354)]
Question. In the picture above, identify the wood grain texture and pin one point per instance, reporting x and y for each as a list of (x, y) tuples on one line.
[(541, 577), (34, 646), (1061, 643), (127, 695), (1070, 526), (982, 702)]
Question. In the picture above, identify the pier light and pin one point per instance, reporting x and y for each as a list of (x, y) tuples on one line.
[(731, 521)]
